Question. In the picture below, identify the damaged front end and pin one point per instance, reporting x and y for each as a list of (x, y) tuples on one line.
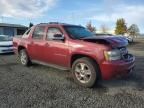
[(117, 45)]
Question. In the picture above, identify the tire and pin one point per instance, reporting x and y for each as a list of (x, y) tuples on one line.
[(24, 58), (85, 72)]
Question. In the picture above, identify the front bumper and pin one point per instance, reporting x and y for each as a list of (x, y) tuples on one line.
[(113, 69), (6, 50)]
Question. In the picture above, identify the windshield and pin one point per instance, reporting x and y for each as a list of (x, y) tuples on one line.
[(5, 38), (78, 32)]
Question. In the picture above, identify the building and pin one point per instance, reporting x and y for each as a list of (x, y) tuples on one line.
[(12, 29)]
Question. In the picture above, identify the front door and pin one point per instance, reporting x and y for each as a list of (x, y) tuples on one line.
[(57, 51)]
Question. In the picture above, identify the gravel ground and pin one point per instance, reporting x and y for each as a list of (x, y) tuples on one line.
[(44, 87)]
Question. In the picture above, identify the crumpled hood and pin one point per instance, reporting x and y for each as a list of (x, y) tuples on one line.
[(113, 41)]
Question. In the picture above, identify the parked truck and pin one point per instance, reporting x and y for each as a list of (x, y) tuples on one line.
[(74, 48)]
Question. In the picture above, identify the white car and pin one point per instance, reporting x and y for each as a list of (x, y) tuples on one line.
[(130, 39), (6, 44)]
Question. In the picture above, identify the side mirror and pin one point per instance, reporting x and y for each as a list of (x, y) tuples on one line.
[(58, 37)]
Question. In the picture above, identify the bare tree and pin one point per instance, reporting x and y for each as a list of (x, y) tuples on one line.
[(133, 30), (104, 28), (90, 27)]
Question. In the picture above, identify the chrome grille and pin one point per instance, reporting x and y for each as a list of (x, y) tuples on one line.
[(124, 52)]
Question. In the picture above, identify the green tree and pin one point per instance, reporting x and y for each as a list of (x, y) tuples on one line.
[(121, 27), (133, 30), (30, 24), (90, 27)]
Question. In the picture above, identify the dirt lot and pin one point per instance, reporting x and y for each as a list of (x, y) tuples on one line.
[(43, 87)]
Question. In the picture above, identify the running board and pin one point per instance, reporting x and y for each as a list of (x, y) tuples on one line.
[(50, 65)]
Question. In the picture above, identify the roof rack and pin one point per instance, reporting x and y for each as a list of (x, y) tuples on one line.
[(54, 23)]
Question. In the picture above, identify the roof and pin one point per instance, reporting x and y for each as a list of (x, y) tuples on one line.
[(57, 23), (12, 25)]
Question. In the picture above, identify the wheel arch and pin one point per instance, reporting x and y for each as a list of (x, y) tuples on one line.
[(20, 48), (77, 56)]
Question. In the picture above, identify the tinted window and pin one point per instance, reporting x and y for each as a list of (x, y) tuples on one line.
[(39, 32), (51, 32), (9, 31)]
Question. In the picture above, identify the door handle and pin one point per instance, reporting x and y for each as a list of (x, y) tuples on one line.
[(46, 44)]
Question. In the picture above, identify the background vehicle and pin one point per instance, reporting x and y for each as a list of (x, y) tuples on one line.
[(72, 47), (130, 39), (6, 44)]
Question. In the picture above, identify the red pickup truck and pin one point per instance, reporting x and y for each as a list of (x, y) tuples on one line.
[(72, 47)]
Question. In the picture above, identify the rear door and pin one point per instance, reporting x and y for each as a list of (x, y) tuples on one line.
[(37, 44), (57, 51)]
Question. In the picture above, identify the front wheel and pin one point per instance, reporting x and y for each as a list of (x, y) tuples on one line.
[(24, 58), (85, 72)]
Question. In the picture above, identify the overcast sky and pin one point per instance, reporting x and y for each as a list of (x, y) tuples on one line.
[(73, 11)]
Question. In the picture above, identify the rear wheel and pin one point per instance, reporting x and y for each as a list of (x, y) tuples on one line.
[(24, 58), (85, 72)]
